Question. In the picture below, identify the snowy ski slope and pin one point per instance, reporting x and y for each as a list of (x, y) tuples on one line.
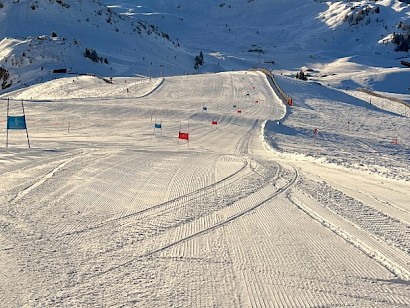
[(106, 211)]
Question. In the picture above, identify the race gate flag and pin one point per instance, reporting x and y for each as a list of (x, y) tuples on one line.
[(204, 108), (16, 122), (239, 111), (290, 102), (214, 123), (184, 136), (158, 126)]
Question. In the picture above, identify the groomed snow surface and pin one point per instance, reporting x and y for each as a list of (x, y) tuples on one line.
[(256, 211)]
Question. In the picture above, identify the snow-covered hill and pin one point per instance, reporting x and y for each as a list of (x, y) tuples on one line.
[(105, 209), (347, 44), (82, 37)]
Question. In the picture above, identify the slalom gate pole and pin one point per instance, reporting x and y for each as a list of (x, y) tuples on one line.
[(179, 132), (7, 124), (24, 114)]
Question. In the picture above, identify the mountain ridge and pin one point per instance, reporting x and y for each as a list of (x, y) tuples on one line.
[(339, 43)]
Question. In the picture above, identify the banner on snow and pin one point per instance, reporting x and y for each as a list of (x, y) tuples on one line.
[(184, 136), (16, 122)]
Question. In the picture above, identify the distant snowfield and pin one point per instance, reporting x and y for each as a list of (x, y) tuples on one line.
[(347, 44), (288, 36), (256, 211)]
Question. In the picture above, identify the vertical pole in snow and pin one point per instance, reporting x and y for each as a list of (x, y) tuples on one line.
[(24, 114), (7, 125), (179, 132)]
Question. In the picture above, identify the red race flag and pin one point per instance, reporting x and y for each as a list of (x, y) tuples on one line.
[(290, 102), (184, 136), (214, 123), (239, 111)]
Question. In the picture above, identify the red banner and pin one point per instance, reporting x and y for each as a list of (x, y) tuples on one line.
[(184, 136), (239, 111), (290, 102), (214, 123)]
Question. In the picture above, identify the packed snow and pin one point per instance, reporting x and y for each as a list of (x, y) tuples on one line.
[(105, 209)]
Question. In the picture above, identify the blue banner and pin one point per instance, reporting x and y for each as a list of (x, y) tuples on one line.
[(157, 125), (16, 122)]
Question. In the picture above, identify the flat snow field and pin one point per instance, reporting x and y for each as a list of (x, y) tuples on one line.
[(105, 210)]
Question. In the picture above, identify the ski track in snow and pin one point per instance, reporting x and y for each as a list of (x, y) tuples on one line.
[(113, 213)]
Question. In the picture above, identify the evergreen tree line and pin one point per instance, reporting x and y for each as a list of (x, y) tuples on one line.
[(402, 41), (92, 54), (199, 60)]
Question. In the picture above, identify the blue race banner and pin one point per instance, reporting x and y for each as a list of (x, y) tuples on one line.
[(157, 125), (16, 122)]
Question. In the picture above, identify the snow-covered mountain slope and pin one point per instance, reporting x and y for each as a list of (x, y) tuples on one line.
[(347, 44), (39, 37), (335, 39)]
